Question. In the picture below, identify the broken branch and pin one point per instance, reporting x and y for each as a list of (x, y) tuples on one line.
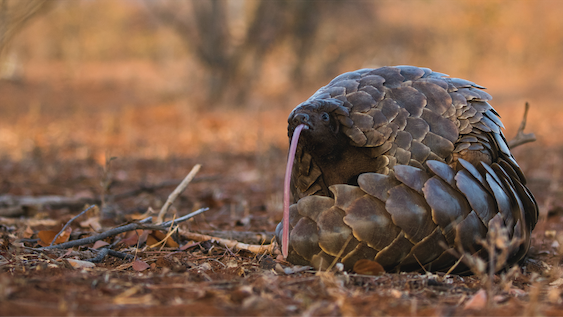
[(129, 227), (177, 193), (69, 222), (250, 237), (233, 244), (521, 137)]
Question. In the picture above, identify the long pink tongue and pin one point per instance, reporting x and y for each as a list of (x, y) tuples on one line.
[(289, 167)]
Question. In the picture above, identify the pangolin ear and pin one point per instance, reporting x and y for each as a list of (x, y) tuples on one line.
[(334, 125)]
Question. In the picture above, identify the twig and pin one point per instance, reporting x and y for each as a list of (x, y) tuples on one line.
[(250, 237), (100, 257), (120, 255), (105, 252), (129, 227), (69, 222), (174, 222), (233, 244), (162, 242), (521, 137), (422, 266), (339, 253), (176, 193)]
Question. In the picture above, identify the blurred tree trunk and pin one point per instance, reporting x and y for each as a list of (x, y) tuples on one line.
[(234, 61), (14, 15)]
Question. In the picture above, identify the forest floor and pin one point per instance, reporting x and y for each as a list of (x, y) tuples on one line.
[(62, 154)]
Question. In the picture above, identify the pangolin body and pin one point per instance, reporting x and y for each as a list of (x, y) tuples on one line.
[(403, 165)]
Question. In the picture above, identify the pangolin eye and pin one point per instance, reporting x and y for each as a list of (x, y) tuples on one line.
[(325, 117)]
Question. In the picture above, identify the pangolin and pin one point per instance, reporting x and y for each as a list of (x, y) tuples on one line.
[(403, 166)]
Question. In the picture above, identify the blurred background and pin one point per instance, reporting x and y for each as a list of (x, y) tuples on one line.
[(165, 79)]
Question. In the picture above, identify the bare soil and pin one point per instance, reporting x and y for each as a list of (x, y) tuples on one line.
[(60, 149)]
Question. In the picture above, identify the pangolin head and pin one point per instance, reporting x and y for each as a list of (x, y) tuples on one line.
[(322, 118)]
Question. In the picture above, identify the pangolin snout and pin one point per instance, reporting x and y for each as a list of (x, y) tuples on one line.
[(301, 118)]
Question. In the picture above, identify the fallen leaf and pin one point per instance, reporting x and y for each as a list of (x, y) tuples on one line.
[(46, 236), (517, 292), (558, 282), (368, 267), (93, 223), (78, 264), (98, 244), (396, 293), (188, 245), (28, 233), (205, 266), (295, 269), (554, 295), (159, 235), (151, 240), (500, 299), (132, 238), (143, 237), (477, 301), (140, 266)]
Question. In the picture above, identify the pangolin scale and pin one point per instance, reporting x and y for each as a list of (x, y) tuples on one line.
[(402, 165)]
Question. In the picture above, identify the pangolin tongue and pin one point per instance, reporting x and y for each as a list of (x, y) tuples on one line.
[(287, 181)]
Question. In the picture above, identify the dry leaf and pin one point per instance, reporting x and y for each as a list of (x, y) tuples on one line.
[(93, 223), (78, 264), (368, 267), (46, 236), (143, 237), (159, 235), (517, 292), (98, 244), (205, 266), (140, 266), (132, 238), (151, 239), (28, 233), (478, 301), (396, 293), (554, 295), (189, 245)]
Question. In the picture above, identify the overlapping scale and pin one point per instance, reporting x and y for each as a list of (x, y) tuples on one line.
[(441, 175)]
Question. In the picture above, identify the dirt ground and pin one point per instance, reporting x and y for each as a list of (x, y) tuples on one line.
[(54, 148)]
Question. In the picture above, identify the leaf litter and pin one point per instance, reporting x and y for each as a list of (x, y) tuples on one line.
[(199, 267)]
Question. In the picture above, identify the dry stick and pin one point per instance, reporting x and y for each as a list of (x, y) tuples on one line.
[(422, 266), (250, 237), (105, 252), (152, 188), (69, 222), (522, 137), (339, 253), (254, 248), (176, 193), (129, 227)]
